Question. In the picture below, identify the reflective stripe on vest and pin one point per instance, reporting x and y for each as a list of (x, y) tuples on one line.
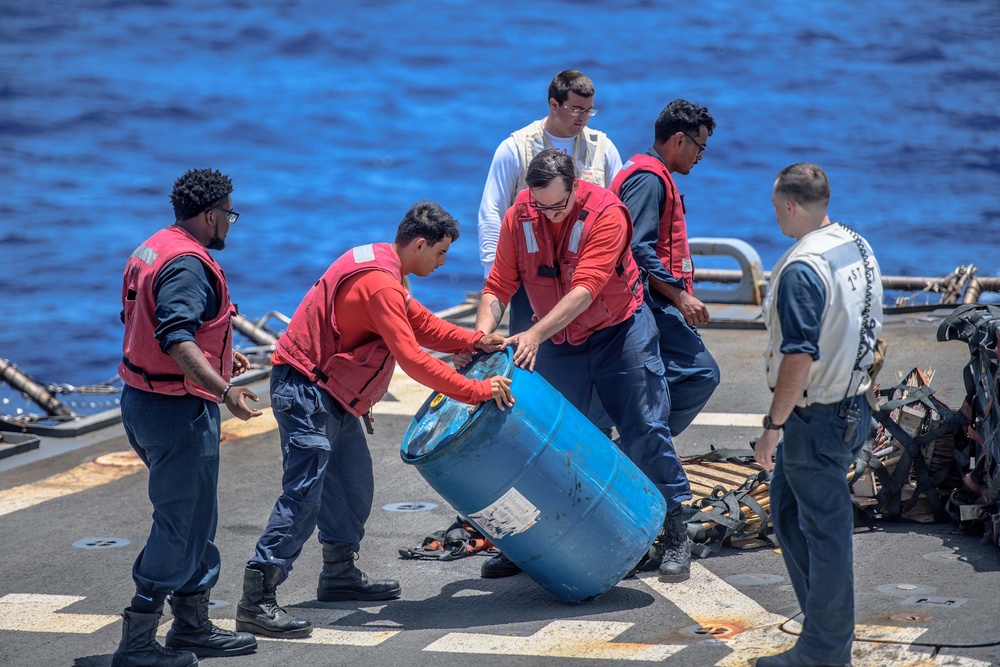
[(547, 270)]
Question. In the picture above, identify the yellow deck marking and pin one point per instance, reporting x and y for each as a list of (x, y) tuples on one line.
[(89, 475), (80, 478), (37, 613), (560, 639), (234, 428)]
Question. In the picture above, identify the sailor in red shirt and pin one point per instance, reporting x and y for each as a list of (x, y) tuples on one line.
[(568, 241), (331, 365)]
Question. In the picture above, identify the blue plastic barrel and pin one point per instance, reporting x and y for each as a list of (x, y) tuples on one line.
[(540, 480)]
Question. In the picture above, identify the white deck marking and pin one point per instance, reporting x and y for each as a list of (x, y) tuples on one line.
[(37, 613), (728, 419), (324, 636), (713, 603), (559, 639), (409, 395)]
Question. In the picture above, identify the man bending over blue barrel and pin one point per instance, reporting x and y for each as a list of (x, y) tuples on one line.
[(567, 241), (332, 364)]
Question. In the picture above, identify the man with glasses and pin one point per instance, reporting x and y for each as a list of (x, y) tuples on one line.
[(567, 242), (571, 106), (177, 363), (660, 246)]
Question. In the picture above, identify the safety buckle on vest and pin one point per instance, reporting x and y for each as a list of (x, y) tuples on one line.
[(369, 419), (549, 271)]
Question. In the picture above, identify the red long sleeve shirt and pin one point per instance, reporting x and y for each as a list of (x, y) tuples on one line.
[(372, 305)]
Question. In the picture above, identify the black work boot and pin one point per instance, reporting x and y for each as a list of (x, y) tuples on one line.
[(139, 647), (340, 580), (498, 566), (676, 564), (258, 612), (193, 631)]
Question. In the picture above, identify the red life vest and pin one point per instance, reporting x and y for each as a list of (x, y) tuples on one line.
[(144, 365), (547, 264), (357, 378), (672, 240)]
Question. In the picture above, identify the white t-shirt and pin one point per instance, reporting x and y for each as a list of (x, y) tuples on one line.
[(505, 171)]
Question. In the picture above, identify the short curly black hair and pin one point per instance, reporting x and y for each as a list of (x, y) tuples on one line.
[(199, 190)]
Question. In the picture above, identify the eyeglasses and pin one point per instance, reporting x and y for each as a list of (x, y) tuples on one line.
[(579, 111), (701, 147), (232, 215), (555, 207)]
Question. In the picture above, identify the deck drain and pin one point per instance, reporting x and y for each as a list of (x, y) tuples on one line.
[(100, 543), (951, 557), (713, 631), (905, 589), (415, 506), (754, 579), (911, 617)]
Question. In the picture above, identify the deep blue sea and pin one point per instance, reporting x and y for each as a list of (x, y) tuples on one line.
[(333, 117)]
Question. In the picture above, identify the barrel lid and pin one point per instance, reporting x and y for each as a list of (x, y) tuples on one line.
[(441, 419)]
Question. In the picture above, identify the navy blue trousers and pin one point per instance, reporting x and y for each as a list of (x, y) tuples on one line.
[(177, 437), (327, 478), (814, 522), (691, 371), (521, 316), (623, 363)]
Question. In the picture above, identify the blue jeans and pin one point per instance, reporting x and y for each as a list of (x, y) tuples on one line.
[(327, 472), (814, 522), (692, 373), (623, 363), (177, 437)]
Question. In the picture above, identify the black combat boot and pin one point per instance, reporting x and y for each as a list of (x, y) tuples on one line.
[(139, 647), (258, 612), (340, 580), (498, 566), (193, 631), (676, 564)]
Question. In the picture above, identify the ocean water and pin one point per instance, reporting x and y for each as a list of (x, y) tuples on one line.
[(333, 117)]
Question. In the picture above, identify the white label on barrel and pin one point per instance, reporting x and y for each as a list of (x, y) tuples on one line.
[(511, 514)]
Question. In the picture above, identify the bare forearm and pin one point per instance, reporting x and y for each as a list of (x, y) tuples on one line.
[(490, 312), (193, 363), (569, 307)]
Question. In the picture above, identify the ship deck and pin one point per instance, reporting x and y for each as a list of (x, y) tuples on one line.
[(74, 514)]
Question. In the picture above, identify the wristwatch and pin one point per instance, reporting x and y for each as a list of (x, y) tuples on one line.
[(770, 425)]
